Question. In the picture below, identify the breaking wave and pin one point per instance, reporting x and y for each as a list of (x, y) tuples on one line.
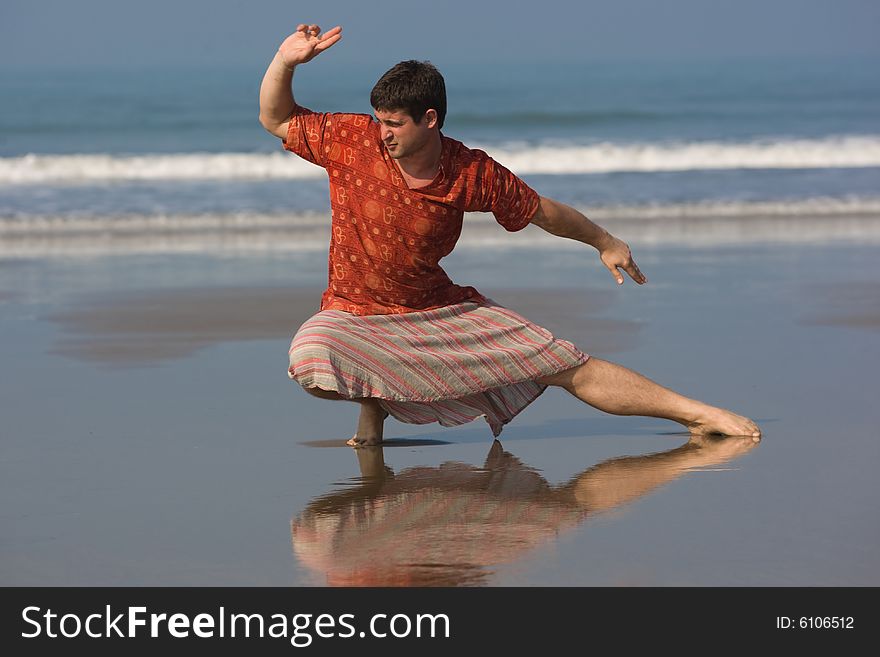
[(543, 158)]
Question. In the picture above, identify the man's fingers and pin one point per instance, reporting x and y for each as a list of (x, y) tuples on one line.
[(636, 273), (308, 30), (331, 32), (326, 44), (631, 269), (329, 38), (616, 273)]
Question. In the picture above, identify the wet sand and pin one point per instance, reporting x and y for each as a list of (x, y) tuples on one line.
[(854, 304), (151, 437), (152, 325)]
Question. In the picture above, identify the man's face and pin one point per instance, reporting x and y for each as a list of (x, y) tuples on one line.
[(401, 135)]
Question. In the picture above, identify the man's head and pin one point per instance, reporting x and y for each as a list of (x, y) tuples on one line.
[(413, 87), (410, 105)]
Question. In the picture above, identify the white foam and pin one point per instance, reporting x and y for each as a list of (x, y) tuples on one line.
[(72, 225), (101, 168), (557, 158), (806, 207), (829, 152)]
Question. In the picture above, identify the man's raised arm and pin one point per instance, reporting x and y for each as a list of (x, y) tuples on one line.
[(564, 221), (276, 93)]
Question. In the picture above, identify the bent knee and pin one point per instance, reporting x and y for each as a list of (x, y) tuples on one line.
[(562, 378), (566, 378)]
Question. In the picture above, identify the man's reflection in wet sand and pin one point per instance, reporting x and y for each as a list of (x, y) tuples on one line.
[(448, 525)]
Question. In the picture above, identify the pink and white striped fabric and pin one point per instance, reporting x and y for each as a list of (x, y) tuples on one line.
[(450, 365)]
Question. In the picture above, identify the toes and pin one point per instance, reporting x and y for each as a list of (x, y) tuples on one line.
[(727, 426), (354, 441), (751, 429)]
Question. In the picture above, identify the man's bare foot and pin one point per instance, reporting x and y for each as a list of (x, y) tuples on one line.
[(355, 441), (371, 424), (720, 421)]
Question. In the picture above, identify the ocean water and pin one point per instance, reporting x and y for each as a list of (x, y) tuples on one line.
[(94, 162)]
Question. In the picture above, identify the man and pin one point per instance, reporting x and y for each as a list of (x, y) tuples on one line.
[(394, 333)]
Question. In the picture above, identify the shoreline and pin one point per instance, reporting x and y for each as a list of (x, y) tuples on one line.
[(309, 233)]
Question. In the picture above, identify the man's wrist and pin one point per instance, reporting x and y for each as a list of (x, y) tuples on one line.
[(603, 240), (284, 64)]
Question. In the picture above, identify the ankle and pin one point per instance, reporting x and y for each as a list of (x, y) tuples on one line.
[(373, 407), (694, 412)]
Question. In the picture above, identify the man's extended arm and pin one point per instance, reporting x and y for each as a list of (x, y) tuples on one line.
[(559, 219), (276, 93)]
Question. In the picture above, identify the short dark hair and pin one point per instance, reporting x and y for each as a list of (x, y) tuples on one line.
[(412, 86)]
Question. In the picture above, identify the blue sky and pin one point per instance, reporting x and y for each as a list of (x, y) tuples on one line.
[(121, 34)]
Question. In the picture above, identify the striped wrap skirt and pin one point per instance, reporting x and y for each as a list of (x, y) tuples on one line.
[(449, 365)]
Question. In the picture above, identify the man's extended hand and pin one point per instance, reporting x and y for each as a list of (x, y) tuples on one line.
[(307, 43), (615, 255)]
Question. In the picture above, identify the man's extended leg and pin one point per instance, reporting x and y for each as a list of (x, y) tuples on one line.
[(371, 421), (618, 390)]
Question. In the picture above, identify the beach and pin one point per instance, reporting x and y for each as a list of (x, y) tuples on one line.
[(151, 435), (158, 250)]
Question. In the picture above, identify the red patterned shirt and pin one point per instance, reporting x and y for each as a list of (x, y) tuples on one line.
[(387, 239)]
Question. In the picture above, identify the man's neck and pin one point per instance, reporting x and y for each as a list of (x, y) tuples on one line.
[(423, 164)]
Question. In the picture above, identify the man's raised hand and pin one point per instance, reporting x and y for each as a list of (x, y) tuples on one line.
[(307, 43)]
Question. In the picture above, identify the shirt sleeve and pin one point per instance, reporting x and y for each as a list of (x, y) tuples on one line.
[(308, 135), (505, 195)]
